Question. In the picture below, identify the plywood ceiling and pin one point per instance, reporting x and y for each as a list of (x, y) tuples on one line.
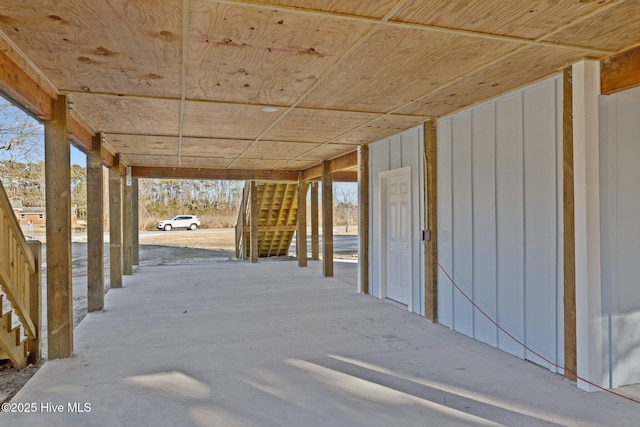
[(183, 83)]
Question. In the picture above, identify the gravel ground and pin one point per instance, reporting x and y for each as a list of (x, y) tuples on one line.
[(156, 248)]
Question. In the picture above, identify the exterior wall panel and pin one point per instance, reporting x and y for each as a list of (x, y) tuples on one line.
[(620, 228), (484, 215), (445, 222), (498, 173)]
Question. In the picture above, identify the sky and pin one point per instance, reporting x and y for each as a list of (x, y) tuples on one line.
[(78, 157)]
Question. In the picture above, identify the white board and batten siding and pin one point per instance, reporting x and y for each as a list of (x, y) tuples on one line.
[(620, 235), (399, 151), (500, 221)]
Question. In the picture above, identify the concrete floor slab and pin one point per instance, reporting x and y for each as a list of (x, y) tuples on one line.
[(271, 344)]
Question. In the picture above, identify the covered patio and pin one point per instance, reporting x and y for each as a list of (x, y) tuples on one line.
[(195, 345)]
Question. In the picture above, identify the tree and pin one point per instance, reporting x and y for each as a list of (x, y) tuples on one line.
[(346, 207), (20, 135), (21, 165), (79, 190)]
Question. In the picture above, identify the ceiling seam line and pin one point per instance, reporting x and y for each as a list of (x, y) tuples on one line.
[(323, 77), (462, 77), (207, 101), (538, 41), (581, 18)]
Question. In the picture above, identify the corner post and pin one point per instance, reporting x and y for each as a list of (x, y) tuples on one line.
[(568, 231), (587, 221), (431, 211)]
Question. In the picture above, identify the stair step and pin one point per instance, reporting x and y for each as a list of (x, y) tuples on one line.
[(17, 333), (6, 321)]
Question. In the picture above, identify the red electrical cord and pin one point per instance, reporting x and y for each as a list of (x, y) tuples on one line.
[(473, 303)]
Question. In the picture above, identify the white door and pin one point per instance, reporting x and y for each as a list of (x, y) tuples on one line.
[(398, 237)]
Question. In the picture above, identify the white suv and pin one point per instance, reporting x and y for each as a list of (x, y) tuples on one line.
[(190, 222)]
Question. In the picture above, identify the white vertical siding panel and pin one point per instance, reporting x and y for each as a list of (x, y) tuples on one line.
[(606, 127), (412, 156), (484, 222), (395, 152), (540, 222), (379, 153), (510, 221), (445, 222), (624, 211), (462, 221)]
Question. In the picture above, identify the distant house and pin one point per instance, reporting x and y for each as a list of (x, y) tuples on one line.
[(16, 205), (37, 215)]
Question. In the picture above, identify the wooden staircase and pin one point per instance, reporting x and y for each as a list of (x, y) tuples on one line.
[(20, 288), (12, 342), (277, 219)]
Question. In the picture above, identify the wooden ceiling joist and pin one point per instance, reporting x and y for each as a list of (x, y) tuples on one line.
[(204, 173), (620, 72)]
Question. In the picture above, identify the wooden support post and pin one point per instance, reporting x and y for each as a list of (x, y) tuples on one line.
[(315, 239), (327, 221), (253, 219), (431, 211), (135, 222), (57, 157), (570, 348), (127, 234), (95, 227), (35, 301), (301, 233), (363, 219), (115, 224)]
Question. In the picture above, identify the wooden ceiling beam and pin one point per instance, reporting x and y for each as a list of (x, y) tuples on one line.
[(313, 173), (345, 176), (204, 173), (620, 72), (108, 156), (29, 96), (80, 137), (346, 161), (18, 86), (339, 164)]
